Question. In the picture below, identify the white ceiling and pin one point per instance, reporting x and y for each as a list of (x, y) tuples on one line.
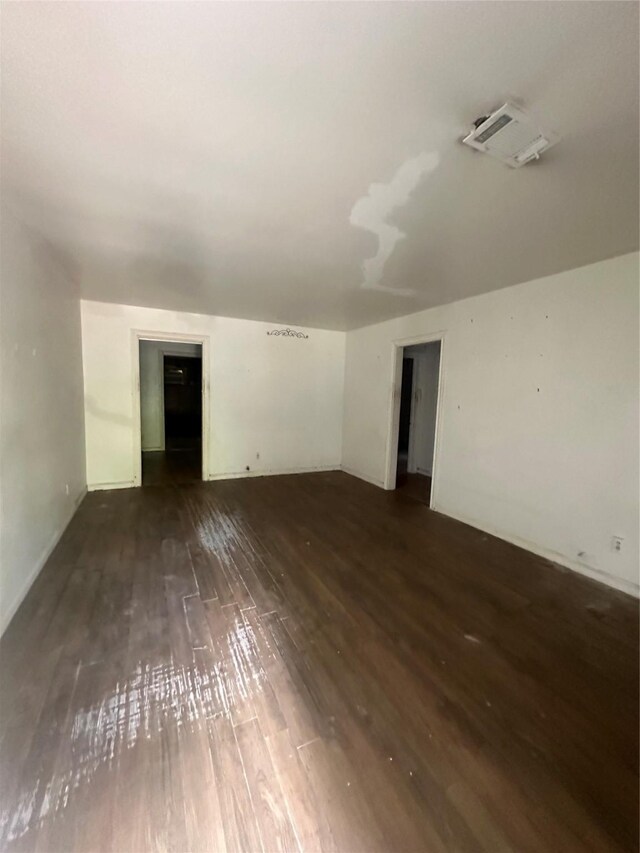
[(218, 158)]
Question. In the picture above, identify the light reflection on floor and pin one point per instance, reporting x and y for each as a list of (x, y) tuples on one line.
[(139, 707)]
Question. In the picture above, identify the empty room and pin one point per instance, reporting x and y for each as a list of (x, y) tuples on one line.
[(319, 427)]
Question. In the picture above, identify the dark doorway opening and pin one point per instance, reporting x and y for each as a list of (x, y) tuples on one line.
[(417, 420), (182, 403), (404, 429), (180, 410)]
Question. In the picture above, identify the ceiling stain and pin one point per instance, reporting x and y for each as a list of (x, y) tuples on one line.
[(372, 211)]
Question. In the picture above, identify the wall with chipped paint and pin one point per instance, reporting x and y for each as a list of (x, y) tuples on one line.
[(538, 438), (42, 458), (275, 402)]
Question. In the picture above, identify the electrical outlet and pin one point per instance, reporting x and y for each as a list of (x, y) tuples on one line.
[(616, 543)]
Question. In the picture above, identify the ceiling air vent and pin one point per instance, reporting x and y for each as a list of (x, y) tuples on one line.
[(511, 136)]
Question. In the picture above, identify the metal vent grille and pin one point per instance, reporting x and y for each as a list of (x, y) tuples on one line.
[(511, 136), (494, 128)]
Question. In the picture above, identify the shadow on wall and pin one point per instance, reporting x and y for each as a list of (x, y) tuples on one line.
[(92, 408), (150, 243), (49, 251)]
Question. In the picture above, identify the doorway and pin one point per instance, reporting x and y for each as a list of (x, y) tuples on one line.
[(171, 412), (404, 427), (417, 420)]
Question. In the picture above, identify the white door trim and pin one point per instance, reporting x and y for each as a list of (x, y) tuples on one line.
[(138, 335)]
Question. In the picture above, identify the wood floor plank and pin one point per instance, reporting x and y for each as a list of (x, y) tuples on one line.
[(41, 702), (312, 827), (308, 662), (239, 821), (338, 791), (233, 656), (269, 804)]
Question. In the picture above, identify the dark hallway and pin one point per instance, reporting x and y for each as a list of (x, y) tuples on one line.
[(417, 417), (404, 428), (181, 459)]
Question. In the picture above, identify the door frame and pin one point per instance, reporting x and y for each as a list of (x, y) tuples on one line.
[(391, 463), (138, 335)]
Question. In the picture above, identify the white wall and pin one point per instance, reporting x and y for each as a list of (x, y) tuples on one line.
[(152, 388), (275, 402), (538, 439), (426, 367), (42, 455)]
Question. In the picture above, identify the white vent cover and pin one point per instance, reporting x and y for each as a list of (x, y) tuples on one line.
[(511, 136)]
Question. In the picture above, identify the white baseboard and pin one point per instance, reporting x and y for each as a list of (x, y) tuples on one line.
[(104, 487), (553, 556), (361, 476), (33, 574), (276, 472), (232, 475), (546, 553)]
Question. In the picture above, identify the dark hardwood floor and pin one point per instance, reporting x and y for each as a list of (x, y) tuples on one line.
[(171, 467), (311, 663), (413, 485), (417, 486)]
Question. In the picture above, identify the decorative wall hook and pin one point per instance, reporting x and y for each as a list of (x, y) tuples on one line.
[(287, 333)]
